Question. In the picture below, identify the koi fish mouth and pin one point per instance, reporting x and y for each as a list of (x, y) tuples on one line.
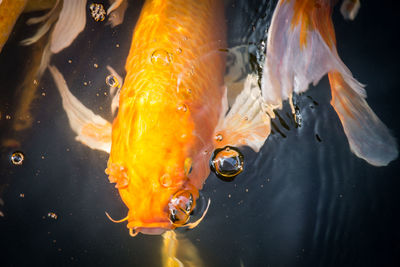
[(180, 209), (150, 230)]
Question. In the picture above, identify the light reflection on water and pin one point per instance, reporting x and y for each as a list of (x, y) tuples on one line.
[(302, 200)]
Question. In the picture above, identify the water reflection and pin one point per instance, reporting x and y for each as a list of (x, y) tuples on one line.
[(304, 200)]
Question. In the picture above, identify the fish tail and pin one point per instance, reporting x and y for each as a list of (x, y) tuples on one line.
[(368, 137), (301, 49)]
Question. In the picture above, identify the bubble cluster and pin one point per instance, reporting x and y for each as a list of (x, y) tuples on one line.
[(52, 215), (98, 12)]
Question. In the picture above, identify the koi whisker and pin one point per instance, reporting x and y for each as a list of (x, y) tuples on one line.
[(194, 224), (116, 221), (131, 233)]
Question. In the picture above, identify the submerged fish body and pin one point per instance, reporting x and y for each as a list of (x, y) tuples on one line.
[(10, 10), (9, 13), (169, 106)]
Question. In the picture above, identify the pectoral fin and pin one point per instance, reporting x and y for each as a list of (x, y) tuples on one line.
[(246, 123), (91, 129)]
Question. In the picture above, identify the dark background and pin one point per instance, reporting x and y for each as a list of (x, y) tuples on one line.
[(300, 201)]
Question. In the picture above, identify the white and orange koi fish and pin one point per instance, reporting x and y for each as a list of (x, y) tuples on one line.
[(173, 109), (301, 49)]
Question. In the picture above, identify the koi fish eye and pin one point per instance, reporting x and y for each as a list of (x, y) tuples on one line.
[(180, 207), (227, 163)]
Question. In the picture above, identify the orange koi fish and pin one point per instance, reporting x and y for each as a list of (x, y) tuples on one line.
[(168, 108), (173, 107)]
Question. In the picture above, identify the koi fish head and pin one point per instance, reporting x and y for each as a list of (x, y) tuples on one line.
[(156, 204), (150, 164)]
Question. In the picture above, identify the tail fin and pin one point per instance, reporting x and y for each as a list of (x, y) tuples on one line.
[(301, 49), (368, 137)]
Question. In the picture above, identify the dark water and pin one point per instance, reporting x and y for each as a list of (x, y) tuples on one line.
[(304, 200)]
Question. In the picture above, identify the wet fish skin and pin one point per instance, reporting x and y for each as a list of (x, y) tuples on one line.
[(168, 107)]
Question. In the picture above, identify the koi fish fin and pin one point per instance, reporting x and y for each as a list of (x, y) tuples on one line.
[(116, 12), (45, 17), (70, 24), (91, 129), (49, 18), (179, 251), (301, 49), (246, 123), (64, 31), (368, 137), (115, 89), (349, 9)]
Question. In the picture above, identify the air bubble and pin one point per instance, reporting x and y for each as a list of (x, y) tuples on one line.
[(17, 158), (166, 180), (180, 207), (161, 58), (112, 81), (98, 12), (183, 108), (227, 163), (219, 137)]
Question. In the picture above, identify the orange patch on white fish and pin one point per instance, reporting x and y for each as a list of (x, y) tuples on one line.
[(300, 50)]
